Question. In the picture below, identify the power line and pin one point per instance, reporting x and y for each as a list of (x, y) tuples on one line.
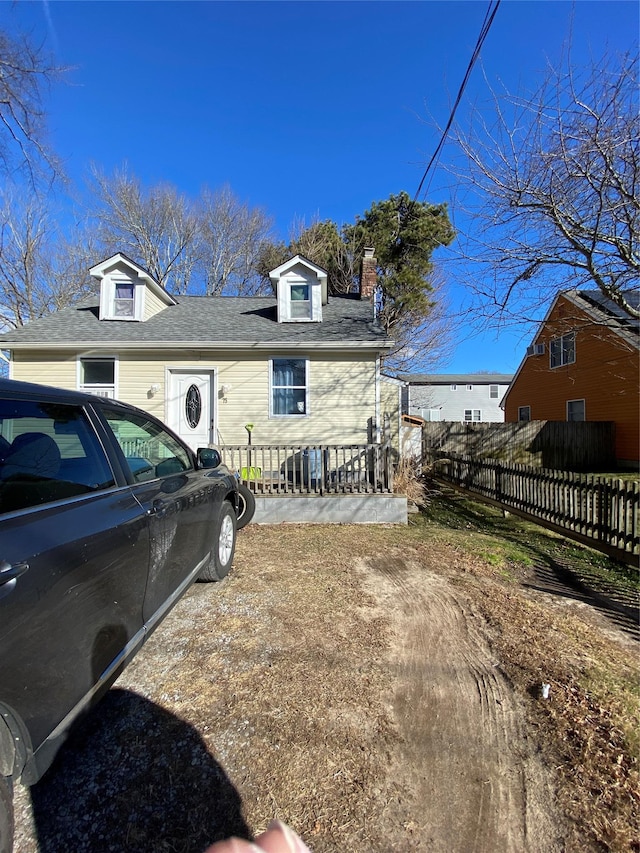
[(484, 32)]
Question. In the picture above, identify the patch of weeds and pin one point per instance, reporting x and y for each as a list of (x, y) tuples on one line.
[(507, 575)]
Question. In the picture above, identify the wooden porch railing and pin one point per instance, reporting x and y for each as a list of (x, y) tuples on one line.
[(323, 469)]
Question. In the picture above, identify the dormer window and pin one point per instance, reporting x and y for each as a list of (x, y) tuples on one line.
[(127, 291), (300, 302), (124, 305), (301, 291), (121, 297)]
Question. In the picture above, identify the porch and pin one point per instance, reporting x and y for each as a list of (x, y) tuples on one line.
[(319, 483)]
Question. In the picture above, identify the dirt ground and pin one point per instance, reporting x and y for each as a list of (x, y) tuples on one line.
[(351, 683)]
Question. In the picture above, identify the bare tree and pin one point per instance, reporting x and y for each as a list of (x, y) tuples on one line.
[(40, 269), (157, 228), (24, 72), (551, 184), (232, 238)]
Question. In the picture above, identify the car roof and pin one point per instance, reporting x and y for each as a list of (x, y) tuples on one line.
[(13, 387)]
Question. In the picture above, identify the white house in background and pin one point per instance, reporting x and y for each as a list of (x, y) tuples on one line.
[(466, 397)]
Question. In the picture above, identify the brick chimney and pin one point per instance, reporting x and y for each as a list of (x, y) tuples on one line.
[(368, 277)]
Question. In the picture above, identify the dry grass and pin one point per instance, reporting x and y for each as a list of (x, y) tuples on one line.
[(407, 482), (589, 727), (328, 651), (282, 672)]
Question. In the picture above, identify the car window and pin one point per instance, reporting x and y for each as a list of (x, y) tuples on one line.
[(48, 452), (149, 449)]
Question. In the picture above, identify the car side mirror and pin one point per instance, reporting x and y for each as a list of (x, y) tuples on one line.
[(208, 457)]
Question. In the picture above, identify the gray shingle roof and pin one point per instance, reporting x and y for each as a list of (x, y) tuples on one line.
[(611, 313), (457, 378), (208, 321)]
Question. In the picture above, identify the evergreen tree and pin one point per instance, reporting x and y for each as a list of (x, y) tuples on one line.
[(404, 235)]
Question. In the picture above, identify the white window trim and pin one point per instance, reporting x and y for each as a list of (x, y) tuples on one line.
[(308, 302), (493, 396), (562, 362), (473, 420), (306, 412), (285, 303), (584, 407), (454, 387), (94, 389), (108, 298)]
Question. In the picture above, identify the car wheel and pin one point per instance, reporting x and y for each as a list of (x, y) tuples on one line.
[(246, 505), (6, 816), (224, 545)]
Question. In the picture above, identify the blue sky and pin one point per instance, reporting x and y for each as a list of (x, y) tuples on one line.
[(307, 109)]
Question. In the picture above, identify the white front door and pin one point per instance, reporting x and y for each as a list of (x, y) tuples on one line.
[(190, 408)]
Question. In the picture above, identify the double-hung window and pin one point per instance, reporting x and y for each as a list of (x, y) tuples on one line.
[(493, 392), (124, 304), (575, 410), (98, 376), (472, 415), (300, 302), (289, 387), (563, 350)]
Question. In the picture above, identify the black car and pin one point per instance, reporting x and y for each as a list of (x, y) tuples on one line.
[(106, 518)]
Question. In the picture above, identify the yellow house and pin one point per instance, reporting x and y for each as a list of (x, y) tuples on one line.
[(300, 367)]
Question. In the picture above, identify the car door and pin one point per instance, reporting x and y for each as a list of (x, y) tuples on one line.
[(74, 560), (179, 501)]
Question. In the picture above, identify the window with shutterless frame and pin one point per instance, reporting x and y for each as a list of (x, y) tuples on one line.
[(576, 410), (300, 298), (524, 413), (289, 391), (98, 375), (472, 415), (124, 300), (562, 350)]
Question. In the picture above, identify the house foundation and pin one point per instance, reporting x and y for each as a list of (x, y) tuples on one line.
[(331, 509)]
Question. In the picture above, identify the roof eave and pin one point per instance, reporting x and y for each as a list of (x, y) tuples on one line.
[(194, 344)]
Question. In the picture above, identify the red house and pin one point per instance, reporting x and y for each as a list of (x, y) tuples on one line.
[(583, 365)]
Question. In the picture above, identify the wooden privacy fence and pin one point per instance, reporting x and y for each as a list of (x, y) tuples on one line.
[(565, 445), (324, 469), (599, 511)]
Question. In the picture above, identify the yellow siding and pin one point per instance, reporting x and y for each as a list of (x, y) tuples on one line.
[(341, 400), (58, 369), (152, 304)]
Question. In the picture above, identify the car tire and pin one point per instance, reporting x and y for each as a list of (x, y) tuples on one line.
[(246, 505), (224, 545), (6, 816)]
